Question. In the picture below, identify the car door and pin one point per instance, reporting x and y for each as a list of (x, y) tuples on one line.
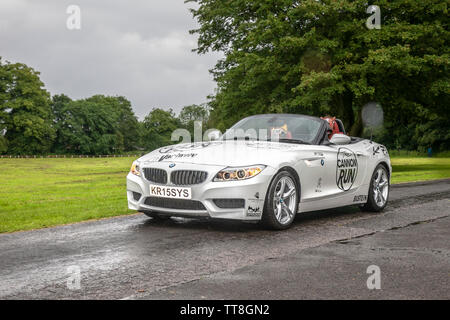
[(337, 179), (318, 178), (350, 161)]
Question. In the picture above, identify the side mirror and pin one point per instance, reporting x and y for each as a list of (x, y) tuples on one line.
[(339, 138), (213, 135)]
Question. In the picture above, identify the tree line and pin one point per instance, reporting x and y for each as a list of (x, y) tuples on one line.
[(318, 57), (32, 122), (309, 57)]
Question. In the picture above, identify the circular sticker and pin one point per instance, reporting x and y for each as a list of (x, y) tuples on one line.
[(346, 169)]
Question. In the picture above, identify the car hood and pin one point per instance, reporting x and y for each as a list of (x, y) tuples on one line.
[(230, 153)]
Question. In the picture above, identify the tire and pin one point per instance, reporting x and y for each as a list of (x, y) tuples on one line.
[(378, 196), (279, 213), (155, 216)]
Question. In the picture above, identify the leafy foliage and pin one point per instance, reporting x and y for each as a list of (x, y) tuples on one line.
[(158, 127), (312, 57), (190, 114), (25, 117), (318, 57), (97, 125), (32, 123)]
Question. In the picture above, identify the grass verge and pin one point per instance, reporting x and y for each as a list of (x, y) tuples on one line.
[(38, 193), (410, 169)]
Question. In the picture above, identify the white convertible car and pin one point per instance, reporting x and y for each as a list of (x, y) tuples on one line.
[(266, 168)]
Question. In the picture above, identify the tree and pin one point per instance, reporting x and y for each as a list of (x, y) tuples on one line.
[(25, 115), (190, 114), (85, 128), (158, 126), (127, 123), (96, 125), (59, 106), (3, 143), (317, 57)]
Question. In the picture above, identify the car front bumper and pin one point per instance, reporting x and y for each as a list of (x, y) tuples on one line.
[(252, 191)]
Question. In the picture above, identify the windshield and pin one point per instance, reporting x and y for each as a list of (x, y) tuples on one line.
[(283, 128)]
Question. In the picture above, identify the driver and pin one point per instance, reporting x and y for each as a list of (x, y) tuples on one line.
[(281, 132), (333, 125)]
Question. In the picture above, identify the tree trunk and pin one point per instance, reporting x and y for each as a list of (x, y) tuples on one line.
[(357, 127), (345, 110)]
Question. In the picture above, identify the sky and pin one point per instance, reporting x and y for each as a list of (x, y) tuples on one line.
[(140, 49)]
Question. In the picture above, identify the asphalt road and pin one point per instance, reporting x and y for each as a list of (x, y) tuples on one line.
[(324, 255)]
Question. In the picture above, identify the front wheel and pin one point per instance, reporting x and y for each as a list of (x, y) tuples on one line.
[(281, 202), (378, 191)]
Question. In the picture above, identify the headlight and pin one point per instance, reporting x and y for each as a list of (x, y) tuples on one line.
[(240, 173), (135, 169)]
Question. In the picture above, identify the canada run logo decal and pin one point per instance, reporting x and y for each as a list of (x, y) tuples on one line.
[(346, 169)]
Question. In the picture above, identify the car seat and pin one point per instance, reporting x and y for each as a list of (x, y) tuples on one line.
[(336, 125)]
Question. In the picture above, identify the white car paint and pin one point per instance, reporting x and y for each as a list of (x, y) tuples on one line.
[(315, 165)]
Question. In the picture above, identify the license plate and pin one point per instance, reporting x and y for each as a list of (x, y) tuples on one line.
[(170, 192)]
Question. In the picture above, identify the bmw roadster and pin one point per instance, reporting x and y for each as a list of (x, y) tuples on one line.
[(266, 168)]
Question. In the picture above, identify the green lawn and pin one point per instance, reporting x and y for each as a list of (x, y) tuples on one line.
[(37, 193), (408, 169)]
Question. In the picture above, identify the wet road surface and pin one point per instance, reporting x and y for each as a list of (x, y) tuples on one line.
[(324, 255)]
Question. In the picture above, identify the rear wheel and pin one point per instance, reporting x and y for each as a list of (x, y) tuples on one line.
[(281, 202), (155, 216), (378, 191)]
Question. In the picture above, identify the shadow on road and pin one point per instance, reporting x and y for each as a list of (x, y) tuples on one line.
[(237, 226)]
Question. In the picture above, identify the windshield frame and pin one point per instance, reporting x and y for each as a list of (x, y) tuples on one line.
[(315, 141)]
